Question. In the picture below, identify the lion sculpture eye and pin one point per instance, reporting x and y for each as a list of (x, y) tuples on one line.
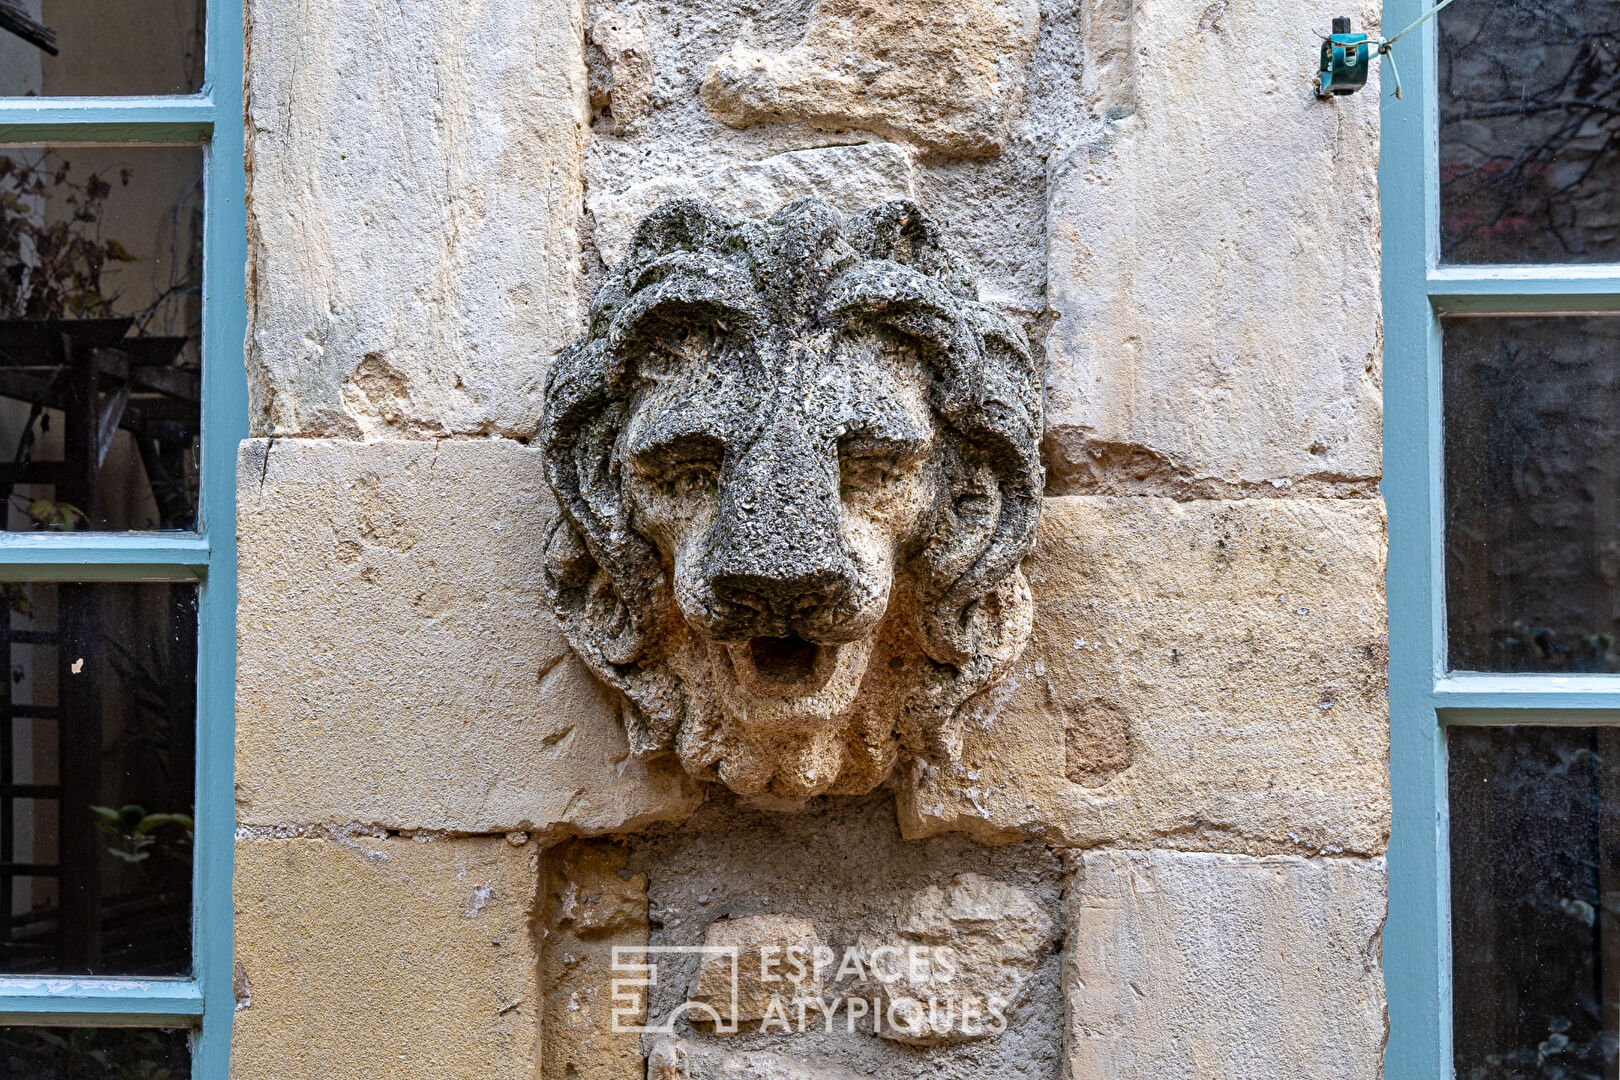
[(685, 467), (867, 465)]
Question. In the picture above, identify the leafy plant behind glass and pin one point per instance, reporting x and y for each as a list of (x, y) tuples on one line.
[(51, 268)]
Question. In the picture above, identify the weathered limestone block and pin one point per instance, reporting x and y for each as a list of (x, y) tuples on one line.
[(849, 178), (397, 663), (945, 74), (591, 908), (776, 957), (1203, 675), (413, 210), (959, 962), (366, 957), (1196, 965), (1213, 260)]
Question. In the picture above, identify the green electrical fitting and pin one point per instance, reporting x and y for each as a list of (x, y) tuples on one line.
[(1345, 56)]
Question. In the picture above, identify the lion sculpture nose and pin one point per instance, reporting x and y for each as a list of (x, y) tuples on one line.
[(784, 598), (777, 560)]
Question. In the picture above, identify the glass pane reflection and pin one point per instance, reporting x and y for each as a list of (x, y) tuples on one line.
[(30, 1053), (100, 320), (1532, 470), (76, 47), (1535, 902), (97, 744), (1530, 131)]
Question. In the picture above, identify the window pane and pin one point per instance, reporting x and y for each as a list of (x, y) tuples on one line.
[(97, 744), (1532, 441), (1535, 901), (101, 47), (100, 318), (1530, 131), (94, 1053)]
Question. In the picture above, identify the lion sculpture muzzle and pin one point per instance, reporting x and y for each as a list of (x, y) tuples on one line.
[(798, 472)]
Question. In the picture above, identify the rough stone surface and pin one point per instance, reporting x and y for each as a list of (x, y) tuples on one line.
[(1213, 261), (1196, 965), (367, 956), (621, 82), (413, 207), (676, 1059), (992, 210), (849, 178), (959, 961), (797, 466), (592, 907), (1206, 675), (842, 867), (776, 958), (948, 76), (397, 663)]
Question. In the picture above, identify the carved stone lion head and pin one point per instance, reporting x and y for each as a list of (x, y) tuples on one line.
[(797, 467)]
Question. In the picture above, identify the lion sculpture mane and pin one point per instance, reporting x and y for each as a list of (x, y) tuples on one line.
[(798, 471)]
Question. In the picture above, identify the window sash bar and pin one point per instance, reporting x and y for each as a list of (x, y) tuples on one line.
[(1524, 290), (176, 119), (1496, 715), (90, 1002), (88, 556), (1515, 692)]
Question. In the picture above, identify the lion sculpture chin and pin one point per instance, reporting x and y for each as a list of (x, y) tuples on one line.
[(797, 465)]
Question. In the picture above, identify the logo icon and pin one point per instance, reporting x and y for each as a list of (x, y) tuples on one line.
[(632, 992)]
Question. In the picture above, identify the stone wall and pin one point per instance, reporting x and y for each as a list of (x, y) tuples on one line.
[(1192, 750)]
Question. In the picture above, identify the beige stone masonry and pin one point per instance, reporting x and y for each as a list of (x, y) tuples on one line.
[(1213, 260), (591, 907), (397, 664), (944, 74), (851, 178), (366, 957), (1203, 675), (1190, 966), (413, 206)]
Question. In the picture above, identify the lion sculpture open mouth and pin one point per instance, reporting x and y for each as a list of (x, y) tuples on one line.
[(798, 471)]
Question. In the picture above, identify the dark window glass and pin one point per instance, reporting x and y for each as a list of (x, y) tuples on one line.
[(73, 47), (1530, 131), (97, 744), (1535, 902), (1532, 468), (100, 312), (28, 1053)]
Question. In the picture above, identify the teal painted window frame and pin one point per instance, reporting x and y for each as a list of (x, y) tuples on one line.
[(1425, 699), (213, 119)]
